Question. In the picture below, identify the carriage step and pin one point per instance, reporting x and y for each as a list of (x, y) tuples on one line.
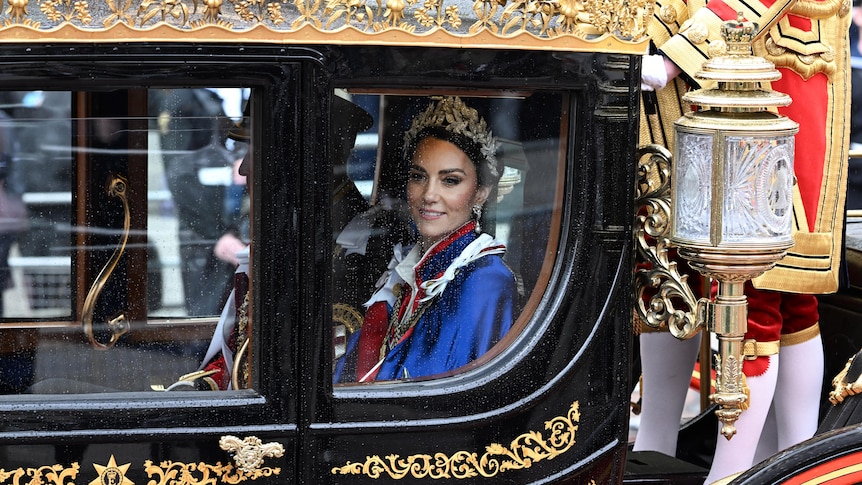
[(655, 467)]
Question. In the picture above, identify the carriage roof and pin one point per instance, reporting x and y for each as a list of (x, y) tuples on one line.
[(615, 26)]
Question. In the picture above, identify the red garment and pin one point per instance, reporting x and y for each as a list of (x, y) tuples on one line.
[(772, 314), (374, 328), (222, 375)]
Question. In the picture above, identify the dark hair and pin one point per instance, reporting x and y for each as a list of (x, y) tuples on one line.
[(484, 177)]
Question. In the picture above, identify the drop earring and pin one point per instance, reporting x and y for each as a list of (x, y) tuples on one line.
[(477, 214)]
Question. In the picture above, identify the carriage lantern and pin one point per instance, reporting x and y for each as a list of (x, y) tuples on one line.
[(732, 194)]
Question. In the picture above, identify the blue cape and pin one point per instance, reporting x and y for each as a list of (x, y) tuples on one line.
[(472, 314)]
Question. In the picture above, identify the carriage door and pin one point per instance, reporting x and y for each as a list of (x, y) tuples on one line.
[(123, 218)]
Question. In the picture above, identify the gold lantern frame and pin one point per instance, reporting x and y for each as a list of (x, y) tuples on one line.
[(731, 220)]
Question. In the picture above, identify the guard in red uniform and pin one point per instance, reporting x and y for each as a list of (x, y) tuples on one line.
[(807, 41)]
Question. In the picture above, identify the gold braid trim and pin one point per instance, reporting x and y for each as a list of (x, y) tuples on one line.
[(752, 348), (809, 52), (801, 336), (820, 10)]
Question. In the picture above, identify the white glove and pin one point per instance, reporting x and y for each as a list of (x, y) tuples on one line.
[(653, 73)]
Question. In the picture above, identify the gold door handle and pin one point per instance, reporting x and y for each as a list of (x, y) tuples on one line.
[(118, 326)]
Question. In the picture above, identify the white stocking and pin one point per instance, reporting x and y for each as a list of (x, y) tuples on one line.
[(768, 443), (797, 393), (667, 365), (737, 454)]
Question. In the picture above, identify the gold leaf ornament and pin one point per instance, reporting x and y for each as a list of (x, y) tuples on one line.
[(522, 452)]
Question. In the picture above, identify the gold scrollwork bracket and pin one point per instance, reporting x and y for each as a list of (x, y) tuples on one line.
[(250, 452), (662, 294), (118, 326)]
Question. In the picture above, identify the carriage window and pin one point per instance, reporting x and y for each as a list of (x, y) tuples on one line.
[(122, 221), (442, 228)]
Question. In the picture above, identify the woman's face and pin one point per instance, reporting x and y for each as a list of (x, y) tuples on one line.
[(442, 189)]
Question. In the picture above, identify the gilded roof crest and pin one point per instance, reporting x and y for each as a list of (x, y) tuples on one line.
[(604, 25)]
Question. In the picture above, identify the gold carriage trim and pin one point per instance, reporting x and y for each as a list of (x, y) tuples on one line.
[(523, 452), (617, 26), (49, 474), (166, 473), (163, 473)]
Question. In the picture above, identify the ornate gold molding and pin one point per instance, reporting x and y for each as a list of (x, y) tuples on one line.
[(566, 25), (43, 475), (523, 452), (175, 473), (165, 473)]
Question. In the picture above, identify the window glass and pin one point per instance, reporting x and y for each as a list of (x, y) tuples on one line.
[(124, 219), (441, 247), (36, 153)]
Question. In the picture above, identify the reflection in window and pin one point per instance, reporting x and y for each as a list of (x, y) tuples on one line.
[(36, 156), (187, 211), (429, 275), (205, 200)]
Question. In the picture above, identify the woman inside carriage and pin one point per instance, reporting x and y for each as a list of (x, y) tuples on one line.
[(447, 297)]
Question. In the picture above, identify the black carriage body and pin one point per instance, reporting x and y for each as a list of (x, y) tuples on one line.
[(551, 406)]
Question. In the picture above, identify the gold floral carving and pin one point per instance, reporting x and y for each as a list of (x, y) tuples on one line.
[(731, 372), (605, 25), (43, 475), (175, 473), (522, 452)]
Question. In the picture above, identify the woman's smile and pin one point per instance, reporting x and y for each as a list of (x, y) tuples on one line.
[(430, 214)]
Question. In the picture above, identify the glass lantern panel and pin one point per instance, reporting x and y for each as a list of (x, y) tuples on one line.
[(758, 203), (692, 187)]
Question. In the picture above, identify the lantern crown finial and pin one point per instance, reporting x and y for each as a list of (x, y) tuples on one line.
[(738, 34), (740, 77)]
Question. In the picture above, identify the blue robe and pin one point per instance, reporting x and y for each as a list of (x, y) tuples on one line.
[(475, 310)]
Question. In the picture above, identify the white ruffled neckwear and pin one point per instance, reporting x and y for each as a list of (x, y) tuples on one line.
[(402, 269)]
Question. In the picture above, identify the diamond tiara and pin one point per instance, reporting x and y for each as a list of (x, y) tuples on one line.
[(451, 114)]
